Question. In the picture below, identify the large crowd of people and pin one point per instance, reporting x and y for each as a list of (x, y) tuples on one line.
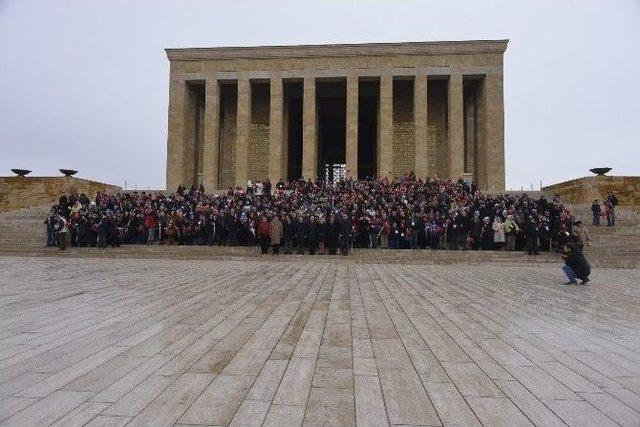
[(316, 217)]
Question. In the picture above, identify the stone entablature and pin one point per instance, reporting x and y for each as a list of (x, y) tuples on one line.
[(342, 50), (216, 143)]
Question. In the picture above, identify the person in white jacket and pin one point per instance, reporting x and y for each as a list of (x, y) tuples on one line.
[(498, 233), (62, 228)]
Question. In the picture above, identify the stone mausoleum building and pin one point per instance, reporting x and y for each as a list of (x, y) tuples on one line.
[(384, 109)]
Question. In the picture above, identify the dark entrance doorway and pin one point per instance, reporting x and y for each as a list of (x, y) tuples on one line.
[(331, 105), (368, 96), (293, 127)]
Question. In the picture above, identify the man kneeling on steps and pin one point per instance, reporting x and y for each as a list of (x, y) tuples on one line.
[(575, 265)]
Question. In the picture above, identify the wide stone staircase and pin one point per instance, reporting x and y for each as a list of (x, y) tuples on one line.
[(23, 229), (22, 233), (616, 245)]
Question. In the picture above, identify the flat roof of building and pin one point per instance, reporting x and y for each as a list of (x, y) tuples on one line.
[(461, 47)]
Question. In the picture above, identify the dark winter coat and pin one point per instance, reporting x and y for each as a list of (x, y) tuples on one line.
[(578, 264)]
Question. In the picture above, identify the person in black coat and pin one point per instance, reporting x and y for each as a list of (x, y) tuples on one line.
[(64, 205), (210, 230), (333, 235), (575, 266), (533, 233), (452, 233), (81, 230), (421, 232), (596, 210), (311, 231), (475, 232), (103, 231), (486, 234), (114, 232), (287, 234), (322, 235), (297, 231), (221, 230), (345, 234), (611, 201)]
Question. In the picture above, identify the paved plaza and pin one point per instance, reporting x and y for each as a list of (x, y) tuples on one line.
[(159, 342)]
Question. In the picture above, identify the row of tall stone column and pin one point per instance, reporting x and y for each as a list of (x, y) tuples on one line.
[(493, 154)]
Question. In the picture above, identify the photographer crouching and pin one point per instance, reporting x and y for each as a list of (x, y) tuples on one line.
[(575, 265)]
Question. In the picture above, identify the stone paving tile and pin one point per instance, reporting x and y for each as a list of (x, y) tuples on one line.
[(370, 409), (81, 415), (329, 406), (48, 410), (284, 415), (451, 405), (579, 413), (11, 405), (159, 342), (493, 411), (531, 406)]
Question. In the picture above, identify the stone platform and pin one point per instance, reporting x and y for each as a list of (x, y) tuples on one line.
[(253, 342)]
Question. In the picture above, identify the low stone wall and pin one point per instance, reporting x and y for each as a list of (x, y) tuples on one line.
[(17, 192), (586, 190)]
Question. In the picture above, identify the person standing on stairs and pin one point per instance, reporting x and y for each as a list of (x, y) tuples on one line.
[(62, 229), (596, 210), (611, 202)]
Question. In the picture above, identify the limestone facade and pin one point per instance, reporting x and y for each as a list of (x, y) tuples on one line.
[(17, 192), (587, 189), (250, 113)]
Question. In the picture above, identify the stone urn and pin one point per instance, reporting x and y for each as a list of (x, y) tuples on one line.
[(599, 171), (68, 172), (21, 172)]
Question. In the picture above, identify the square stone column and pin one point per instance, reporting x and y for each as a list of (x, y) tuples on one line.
[(385, 127), (420, 118), (309, 138), (243, 122), (470, 134), (455, 130), (211, 149), (352, 126), (494, 132), (176, 137), (277, 147)]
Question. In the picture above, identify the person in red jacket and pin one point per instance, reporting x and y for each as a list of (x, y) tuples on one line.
[(264, 234), (150, 224)]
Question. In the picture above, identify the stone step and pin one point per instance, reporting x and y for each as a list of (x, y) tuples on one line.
[(596, 259), (613, 234), (623, 216), (38, 237), (39, 213), (24, 228)]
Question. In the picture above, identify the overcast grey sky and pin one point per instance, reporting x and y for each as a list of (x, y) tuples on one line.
[(84, 84)]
